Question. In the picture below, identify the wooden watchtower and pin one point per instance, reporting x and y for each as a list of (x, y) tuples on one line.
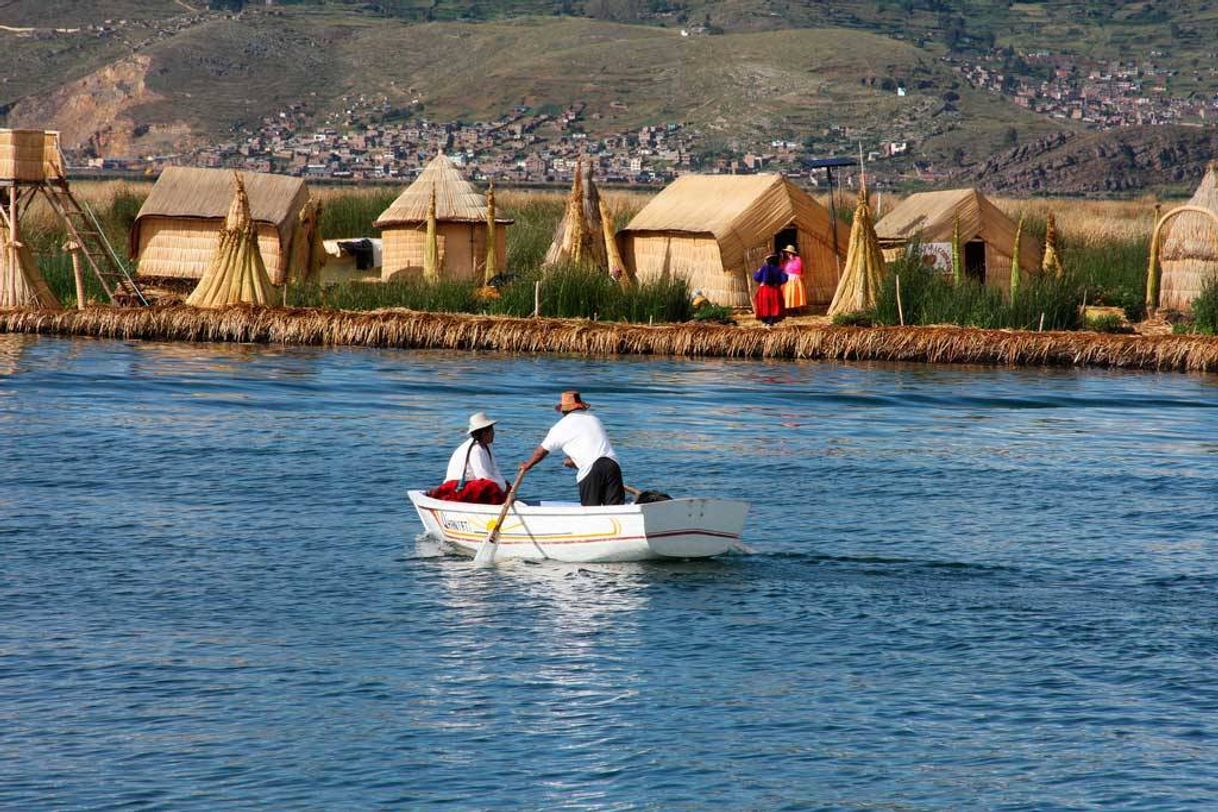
[(31, 163)]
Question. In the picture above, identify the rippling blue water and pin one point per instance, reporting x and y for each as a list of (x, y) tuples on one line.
[(972, 588)]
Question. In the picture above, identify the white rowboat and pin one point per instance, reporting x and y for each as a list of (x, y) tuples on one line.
[(564, 531)]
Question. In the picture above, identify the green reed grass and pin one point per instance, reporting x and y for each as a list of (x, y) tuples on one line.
[(1112, 274), (1205, 309), (930, 297), (576, 291), (529, 237), (441, 297), (566, 292), (56, 267), (350, 216)]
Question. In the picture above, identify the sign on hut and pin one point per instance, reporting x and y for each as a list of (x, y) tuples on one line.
[(1187, 241), (715, 230), (460, 227), (987, 236), (175, 233)]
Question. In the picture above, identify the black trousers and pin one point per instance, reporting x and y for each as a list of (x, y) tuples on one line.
[(602, 485)]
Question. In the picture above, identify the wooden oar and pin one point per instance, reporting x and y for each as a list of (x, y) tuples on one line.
[(485, 557)]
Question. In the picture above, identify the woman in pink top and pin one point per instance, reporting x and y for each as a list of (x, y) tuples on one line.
[(795, 295)]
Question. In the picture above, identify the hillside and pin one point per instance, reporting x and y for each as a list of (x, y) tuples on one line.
[(205, 76), (130, 77)]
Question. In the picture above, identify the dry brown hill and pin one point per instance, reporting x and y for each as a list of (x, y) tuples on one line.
[(202, 77)]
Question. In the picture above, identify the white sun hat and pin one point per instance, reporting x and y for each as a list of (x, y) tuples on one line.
[(479, 421)]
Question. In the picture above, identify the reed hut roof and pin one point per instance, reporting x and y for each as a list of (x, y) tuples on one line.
[(734, 209), (931, 217), (207, 194), (456, 198)]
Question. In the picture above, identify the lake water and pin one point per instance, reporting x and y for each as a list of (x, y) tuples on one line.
[(973, 588)]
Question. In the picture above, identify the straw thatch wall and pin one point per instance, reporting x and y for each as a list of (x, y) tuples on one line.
[(462, 251), (931, 217), (692, 257), (182, 248), (1188, 255), (30, 155), (740, 215), (406, 329), (177, 229)]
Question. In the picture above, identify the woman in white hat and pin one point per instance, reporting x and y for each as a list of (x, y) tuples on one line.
[(795, 295), (473, 475)]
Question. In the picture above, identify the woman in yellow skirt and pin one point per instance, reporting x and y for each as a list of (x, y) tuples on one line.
[(795, 295)]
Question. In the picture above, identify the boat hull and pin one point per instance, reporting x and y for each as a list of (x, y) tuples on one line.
[(678, 528)]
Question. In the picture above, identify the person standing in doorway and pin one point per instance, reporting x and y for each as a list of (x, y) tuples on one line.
[(582, 438), (794, 294)]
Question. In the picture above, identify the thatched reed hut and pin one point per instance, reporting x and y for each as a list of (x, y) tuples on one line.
[(176, 231), (1188, 246), (987, 236), (460, 226), (714, 230)]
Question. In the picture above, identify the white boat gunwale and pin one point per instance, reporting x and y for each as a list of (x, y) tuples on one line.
[(689, 527)]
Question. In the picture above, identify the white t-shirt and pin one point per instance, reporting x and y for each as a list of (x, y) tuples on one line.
[(581, 437), (481, 464)]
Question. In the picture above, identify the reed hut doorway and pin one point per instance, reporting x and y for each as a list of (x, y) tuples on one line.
[(974, 260), (788, 236)]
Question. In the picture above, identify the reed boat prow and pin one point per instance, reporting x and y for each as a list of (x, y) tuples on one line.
[(569, 532)]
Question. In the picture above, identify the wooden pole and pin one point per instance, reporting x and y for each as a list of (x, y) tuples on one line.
[(537, 298), (78, 273), (900, 310), (13, 235)]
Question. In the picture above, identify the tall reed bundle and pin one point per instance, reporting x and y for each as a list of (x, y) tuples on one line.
[(416, 330), (1052, 262), (1015, 269), (431, 245), (21, 281), (957, 252), (578, 236), (236, 273), (864, 271), (613, 257), (308, 253), (491, 268)]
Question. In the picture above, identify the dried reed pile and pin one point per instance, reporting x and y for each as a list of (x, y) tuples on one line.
[(415, 330)]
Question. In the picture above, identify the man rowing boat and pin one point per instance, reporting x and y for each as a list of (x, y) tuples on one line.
[(582, 438)]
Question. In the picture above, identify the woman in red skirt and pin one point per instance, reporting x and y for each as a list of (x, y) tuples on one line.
[(767, 301)]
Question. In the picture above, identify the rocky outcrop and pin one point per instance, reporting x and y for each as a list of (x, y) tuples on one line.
[(1113, 162), (93, 113)]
